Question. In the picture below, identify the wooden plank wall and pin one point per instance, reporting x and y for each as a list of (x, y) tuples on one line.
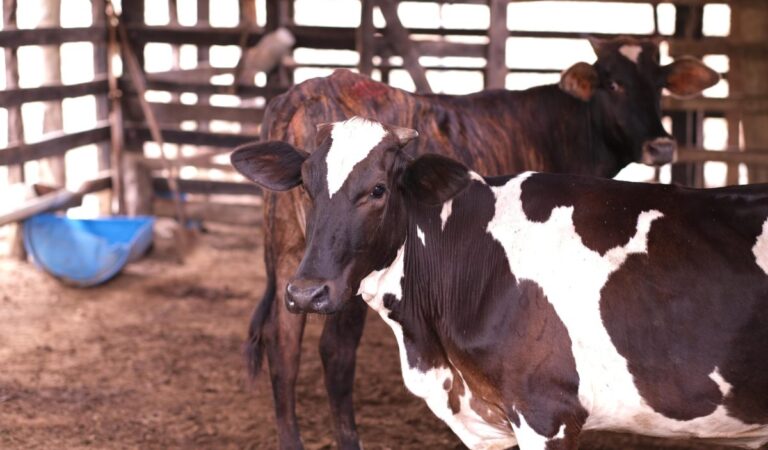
[(375, 45)]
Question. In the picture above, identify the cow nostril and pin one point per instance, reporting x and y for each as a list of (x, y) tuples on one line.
[(320, 293), (312, 297)]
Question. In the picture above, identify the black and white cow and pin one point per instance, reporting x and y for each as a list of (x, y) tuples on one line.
[(528, 308)]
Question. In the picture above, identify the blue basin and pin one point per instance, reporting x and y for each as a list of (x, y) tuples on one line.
[(86, 252)]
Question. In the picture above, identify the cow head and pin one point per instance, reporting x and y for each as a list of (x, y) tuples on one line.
[(357, 181), (624, 86)]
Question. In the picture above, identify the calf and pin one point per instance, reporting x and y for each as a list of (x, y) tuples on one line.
[(598, 119), (528, 308)]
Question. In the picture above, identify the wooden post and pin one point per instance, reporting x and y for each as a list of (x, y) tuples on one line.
[(133, 13), (137, 77), (400, 40), (733, 116), (203, 51), (750, 18), (173, 19), (279, 14), (51, 169), (365, 38), (100, 67), (496, 65), (247, 23), (116, 125), (686, 125), (15, 124)]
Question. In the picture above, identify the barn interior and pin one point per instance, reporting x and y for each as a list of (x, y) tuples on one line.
[(114, 108)]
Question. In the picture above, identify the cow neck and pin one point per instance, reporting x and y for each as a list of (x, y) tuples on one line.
[(449, 265)]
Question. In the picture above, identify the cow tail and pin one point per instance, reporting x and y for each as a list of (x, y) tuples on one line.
[(254, 346)]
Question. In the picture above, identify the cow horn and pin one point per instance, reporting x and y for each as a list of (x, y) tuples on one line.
[(404, 135)]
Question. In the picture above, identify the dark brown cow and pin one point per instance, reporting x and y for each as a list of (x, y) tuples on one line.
[(528, 308), (599, 119)]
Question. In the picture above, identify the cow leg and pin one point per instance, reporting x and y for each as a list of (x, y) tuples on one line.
[(284, 245), (338, 349), (283, 345)]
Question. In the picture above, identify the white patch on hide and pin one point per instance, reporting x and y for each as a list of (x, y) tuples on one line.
[(352, 141), (571, 275), (420, 235), (445, 213), (724, 386), (476, 176), (760, 250), (527, 438), (631, 52)]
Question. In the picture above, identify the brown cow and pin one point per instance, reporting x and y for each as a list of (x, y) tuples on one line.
[(599, 118)]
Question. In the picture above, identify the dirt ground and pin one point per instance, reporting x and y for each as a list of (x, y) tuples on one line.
[(152, 360)]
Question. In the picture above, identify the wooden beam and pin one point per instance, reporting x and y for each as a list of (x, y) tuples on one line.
[(235, 214), (342, 37), (496, 67), (57, 199), (207, 187), (54, 144), (731, 156), (55, 91), (173, 113), (116, 126), (13, 37), (139, 134), (401, 43), (161, 83)]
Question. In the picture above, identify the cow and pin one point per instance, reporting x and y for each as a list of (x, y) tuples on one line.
[(595, 121), (530, 307)]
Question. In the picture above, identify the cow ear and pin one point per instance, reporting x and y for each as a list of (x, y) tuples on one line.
[(322, 131), (688, 76), (273, 165), (580, 81), (597, 44), (433, 179)]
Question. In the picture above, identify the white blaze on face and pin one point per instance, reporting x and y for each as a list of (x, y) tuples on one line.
[(760, 250), (352, 141), (631, 52)]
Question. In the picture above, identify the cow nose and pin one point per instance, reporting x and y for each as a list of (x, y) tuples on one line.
[(306, 297), (659, 151)]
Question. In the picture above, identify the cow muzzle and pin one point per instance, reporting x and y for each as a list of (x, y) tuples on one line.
[(309, 296), (659, 151)]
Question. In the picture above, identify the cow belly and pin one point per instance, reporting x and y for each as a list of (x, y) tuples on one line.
[(614, 403), (434, 386)]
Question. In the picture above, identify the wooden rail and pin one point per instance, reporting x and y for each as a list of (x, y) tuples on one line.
[(207, 187), (18, 96), (14, 37), (54, 144), (137, 134)]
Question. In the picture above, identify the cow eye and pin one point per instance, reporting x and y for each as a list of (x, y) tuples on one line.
[(614, 86), (378, 191)]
